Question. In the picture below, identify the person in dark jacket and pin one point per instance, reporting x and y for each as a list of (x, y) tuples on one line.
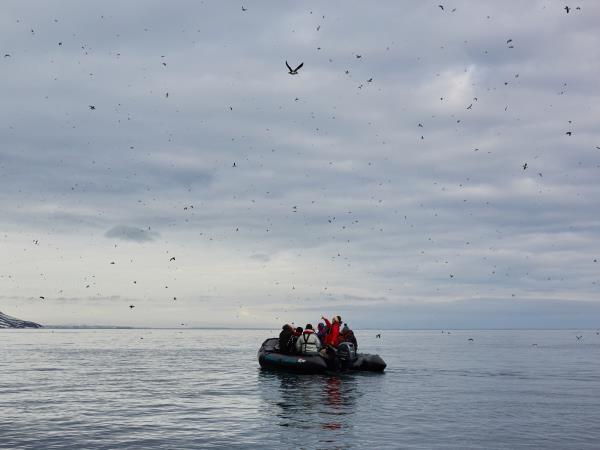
[(297, 333), (347, 335), (321, 332), (285, 338)]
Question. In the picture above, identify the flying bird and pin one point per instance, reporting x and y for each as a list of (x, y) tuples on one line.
[(293, 71), (244, 9), (569, 133), (567, 9), (441, 7), (131, 306), (92, 107), (525, 166), (378, 335), (42, 297), (172, 258)]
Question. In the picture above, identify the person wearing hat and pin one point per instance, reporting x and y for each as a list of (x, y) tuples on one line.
[(308, 342), (321, 332), (285, 337), (347, 335)]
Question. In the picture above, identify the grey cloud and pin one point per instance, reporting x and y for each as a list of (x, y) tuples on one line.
[(471, 314), (129, 233)]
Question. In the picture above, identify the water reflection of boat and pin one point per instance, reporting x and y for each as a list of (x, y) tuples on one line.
[(329, 401), (269, 357)]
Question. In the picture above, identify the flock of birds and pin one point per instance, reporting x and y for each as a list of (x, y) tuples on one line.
[(293, 71)]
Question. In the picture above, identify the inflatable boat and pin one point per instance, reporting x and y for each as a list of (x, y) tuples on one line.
[(345, 358)]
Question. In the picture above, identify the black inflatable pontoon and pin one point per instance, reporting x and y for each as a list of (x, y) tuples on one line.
[(269, 357)]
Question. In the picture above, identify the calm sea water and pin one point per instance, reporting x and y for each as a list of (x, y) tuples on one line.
[(180, 389)]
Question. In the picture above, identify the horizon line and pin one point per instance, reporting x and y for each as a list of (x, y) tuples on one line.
[(126, 327)]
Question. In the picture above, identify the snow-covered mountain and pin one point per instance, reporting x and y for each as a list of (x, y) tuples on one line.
[(12, 322)]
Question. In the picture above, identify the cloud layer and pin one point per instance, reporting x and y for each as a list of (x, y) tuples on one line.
[(420, 157)]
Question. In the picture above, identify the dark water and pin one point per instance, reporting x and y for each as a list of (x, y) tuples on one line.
[(203, 389)]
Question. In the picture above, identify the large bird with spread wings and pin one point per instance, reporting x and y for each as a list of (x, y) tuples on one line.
[(293, 71)]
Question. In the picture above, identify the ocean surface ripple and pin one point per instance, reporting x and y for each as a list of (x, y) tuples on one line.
[(188, 389)]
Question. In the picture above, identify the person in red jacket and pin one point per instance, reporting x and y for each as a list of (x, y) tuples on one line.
[(333, 330)]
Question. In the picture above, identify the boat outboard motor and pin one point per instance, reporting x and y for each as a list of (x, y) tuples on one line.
[(346, 354)]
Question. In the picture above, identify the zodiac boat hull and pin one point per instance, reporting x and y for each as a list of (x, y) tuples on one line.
[(269, 357)]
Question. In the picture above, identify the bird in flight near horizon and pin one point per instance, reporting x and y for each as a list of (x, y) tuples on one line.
[(293, 71)]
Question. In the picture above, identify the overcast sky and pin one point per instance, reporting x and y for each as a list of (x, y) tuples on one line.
[(417, 172)]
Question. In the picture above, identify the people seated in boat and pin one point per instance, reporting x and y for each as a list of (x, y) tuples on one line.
[(286, 339), (297, 333), (347, 335), (308, 342), (321, 332)]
